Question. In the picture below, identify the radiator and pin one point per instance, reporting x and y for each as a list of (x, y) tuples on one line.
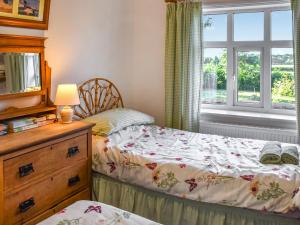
[(287, 136)]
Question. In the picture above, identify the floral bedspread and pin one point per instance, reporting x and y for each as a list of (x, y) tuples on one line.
[(201, 167), (95, 213)]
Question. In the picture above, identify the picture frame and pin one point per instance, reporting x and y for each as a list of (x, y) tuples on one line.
[(32, 14)]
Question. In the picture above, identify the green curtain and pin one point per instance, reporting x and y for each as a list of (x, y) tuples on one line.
[(14, 72), (296, 22), (183, 65)]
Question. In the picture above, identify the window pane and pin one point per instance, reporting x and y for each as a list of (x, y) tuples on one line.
[(283, 84), (282, 28), (215, 27), (215, 76), (249, 26), (248, 72)]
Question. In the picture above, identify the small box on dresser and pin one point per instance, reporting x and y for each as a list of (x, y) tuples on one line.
[(43, 170)]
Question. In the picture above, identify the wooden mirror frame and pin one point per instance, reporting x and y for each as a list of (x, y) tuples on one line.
[(16, 43)]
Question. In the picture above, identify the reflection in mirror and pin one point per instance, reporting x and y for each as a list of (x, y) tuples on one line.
[(19, 72)]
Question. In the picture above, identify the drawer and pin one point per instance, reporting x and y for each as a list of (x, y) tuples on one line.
[(24, 205), (40, 217), (83, 195), (22, 169), (71, 180), (69, 152)]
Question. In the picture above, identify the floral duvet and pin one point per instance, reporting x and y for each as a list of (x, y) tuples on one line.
[(95, 213), (200, 167)]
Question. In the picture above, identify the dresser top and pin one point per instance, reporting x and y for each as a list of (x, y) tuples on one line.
[(16, 141)]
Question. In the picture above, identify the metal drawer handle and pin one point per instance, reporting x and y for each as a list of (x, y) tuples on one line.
[(73, 151), (26, 170), (73, 181), (26, 205)]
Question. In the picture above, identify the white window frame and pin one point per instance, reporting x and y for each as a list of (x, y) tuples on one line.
[(259, 104), (266, 46)]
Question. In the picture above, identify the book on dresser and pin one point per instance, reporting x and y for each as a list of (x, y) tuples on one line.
[(43, 170), (27, 123)]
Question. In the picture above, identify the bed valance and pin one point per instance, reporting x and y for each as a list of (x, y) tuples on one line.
[(156, 205)]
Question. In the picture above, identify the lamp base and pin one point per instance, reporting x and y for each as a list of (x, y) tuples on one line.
[(67, 114)]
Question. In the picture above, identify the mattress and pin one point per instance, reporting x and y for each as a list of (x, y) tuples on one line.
[(88, 213), (199, 167)]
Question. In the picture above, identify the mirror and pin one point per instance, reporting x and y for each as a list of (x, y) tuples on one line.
[(19, 72)]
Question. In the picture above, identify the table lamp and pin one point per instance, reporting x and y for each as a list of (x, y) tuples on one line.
[(67, 96)]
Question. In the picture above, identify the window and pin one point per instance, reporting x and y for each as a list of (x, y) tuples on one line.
[(283, 85), (249, 26), (248, 60), (248, 76), (215, 27), (282, 25), (215, 75)]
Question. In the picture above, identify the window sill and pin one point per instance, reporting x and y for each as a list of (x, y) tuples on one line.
[(258, 119)]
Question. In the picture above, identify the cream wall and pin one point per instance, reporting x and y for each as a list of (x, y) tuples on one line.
[(122, 40), (119, 40), (90, 39), (147, 77), (21, 31)]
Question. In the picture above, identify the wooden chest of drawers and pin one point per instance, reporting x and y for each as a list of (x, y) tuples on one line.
[(43, 170)]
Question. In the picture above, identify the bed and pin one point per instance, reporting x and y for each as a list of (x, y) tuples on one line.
[(93, 213), (177, 177)]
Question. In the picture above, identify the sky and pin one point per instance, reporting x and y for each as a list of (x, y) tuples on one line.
[(250, 26), (282, 28)]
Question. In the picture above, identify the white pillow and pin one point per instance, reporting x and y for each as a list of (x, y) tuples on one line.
[(114, 120)]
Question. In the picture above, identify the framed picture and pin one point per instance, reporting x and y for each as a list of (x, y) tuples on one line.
[(25, 13)]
